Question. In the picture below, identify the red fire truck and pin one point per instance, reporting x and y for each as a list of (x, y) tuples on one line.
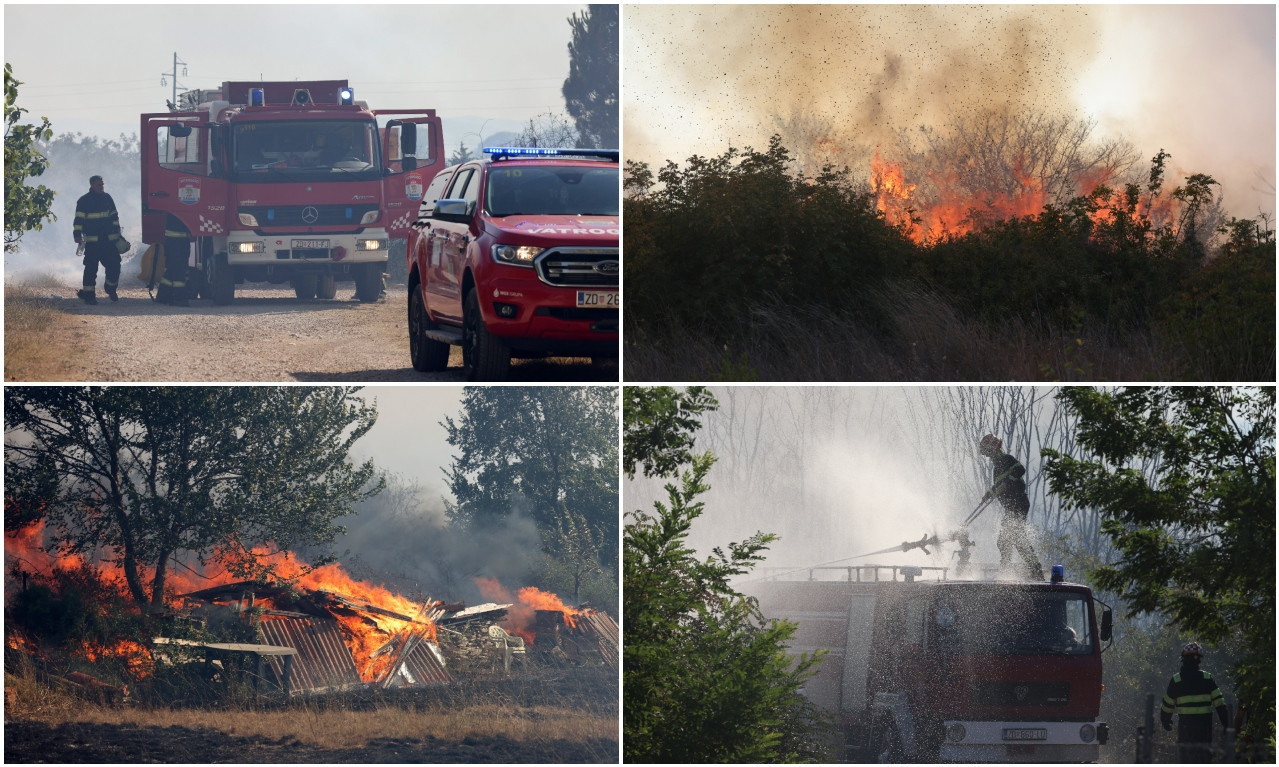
[(285, 182), (922, 668), (516, 255)]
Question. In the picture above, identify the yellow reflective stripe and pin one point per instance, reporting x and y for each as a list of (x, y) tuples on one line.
[(175, 235), (102, 214), (1193, 699), (1217, 695), (1194, 709)]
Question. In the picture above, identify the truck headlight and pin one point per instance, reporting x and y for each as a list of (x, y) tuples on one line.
[(371, 216), (956, 732), (249, 247), (248, 219), (520, 255), (370, 245), (1088, 733)]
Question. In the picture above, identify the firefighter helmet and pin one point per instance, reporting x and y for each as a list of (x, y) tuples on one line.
[(1192, 650), (990, 443)]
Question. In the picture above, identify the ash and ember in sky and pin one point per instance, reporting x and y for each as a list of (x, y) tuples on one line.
[(837, 81)]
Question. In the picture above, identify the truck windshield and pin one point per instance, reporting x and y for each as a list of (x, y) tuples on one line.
[(548, 190), (305, 150), (1010, 621)]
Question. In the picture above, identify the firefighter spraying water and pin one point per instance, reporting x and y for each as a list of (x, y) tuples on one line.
[(932, 664)]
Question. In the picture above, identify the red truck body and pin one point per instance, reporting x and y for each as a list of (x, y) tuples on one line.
[(949, 670), (516, 256), (285, 182)]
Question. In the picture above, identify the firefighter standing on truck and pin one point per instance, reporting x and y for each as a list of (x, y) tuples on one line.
[(1009, 487), (97, 232), (177, 250), (1193, 696)]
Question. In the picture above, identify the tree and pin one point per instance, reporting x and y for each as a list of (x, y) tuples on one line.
[(1195, 531), (548, 131), (575, 548), (706, 677), (590, 91), (660, 425), (25, 207), (146, 475), (552, 446), (460, 155)]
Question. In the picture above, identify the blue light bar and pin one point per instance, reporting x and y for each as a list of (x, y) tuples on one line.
[(257, 97), (499, 152)]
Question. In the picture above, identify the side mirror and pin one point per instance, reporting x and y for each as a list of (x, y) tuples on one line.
[(451, 210), (408, 145), (1107, 624), (179, 131)]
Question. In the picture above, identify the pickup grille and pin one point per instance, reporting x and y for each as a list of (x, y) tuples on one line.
[(1020, 693), (270, 216), (579, 267)]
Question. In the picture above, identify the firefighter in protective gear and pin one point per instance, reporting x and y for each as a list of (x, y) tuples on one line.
[(1193, 696), (1009, 488), (97, 230), (177, 250)]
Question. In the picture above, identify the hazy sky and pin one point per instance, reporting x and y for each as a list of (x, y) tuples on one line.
[(85, 66), (407, 438), (1197, 81)]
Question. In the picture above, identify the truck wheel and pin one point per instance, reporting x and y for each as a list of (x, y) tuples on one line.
[(326, 287), (484, 356), (304, 286), (221, 281), (368, 282), (428, 355)]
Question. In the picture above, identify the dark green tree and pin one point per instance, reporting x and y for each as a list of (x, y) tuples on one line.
[(575, 550), (147, 475), (460, 155), (590, 92), (1184, 478), (661, 422), (25, 207), (705, 676), (551, 446)]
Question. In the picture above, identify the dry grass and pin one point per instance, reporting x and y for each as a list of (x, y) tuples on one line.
[(34, 347), (323, 723), (925, 340)]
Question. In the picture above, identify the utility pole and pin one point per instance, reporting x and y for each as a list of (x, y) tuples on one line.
[(174, 75)]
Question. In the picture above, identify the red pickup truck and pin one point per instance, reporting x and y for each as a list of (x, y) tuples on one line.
[(516, 254)]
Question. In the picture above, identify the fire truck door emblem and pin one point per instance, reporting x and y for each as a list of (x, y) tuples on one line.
[(189, 191), (310, 214), (1021, 691), (413, 187)]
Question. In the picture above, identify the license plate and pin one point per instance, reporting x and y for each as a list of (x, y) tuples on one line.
[(310, 244), (599, 299), (1028, 734)]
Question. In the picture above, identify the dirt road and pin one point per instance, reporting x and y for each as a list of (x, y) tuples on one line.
[(266, 335)]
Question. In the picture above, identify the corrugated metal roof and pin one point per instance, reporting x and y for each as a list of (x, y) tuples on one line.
[(605, 630), (418, 662), (323, 661)]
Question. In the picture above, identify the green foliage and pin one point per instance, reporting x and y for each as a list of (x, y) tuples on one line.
[(575, 550), (554, 446), (460, 155), (660, 425), (591, 89), (148, 474), (705, 676), (26, 207), (1184, 479)]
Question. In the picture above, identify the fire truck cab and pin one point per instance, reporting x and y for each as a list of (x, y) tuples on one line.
[(285, 182), (932, 669)]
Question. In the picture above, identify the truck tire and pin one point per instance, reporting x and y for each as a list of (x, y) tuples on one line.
[(304, 286), (368, 282), (221, 281), (484, 356), (428, 355), (326, 287)]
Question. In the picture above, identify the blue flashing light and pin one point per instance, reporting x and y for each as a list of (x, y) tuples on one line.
[(257, 97), (1059, 574), (506, 152), (346, 96), (270, 214), (350, 214)]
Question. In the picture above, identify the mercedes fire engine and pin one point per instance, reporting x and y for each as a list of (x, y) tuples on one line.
[(285, 182), (924, 668)]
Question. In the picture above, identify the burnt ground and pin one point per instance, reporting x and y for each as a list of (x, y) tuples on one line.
[(31, 742)]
